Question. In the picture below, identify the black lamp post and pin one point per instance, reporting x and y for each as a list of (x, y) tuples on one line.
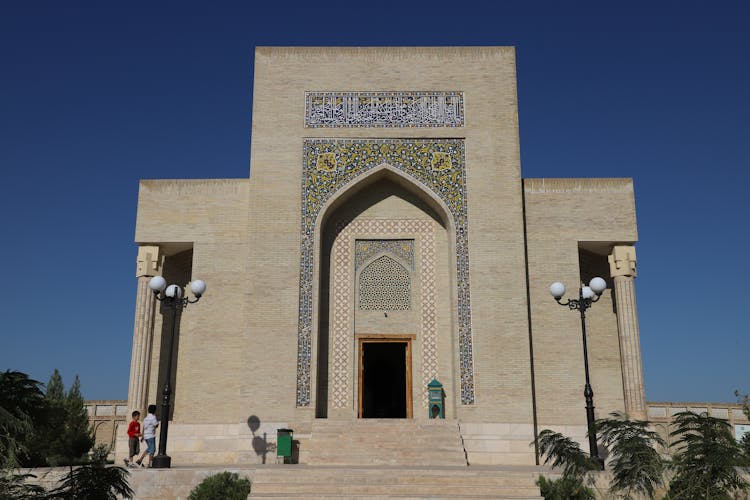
[(587, 295), (172, 296)]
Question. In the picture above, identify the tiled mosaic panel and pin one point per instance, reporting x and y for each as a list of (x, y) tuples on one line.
[(343, 323), (365, 250), (436, 165), (384, 109), (342, 327), (384, 285), (428, 329)]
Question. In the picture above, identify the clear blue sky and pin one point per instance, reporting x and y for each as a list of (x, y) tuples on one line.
[(92, 99)]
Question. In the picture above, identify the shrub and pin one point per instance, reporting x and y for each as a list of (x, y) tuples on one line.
[(565, 488), (226, 485)]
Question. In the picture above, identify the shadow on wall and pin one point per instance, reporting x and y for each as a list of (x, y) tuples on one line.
[(260, 444), (262, 447)]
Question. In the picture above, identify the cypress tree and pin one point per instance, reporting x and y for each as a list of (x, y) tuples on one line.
[(55, 388), (70, 434)]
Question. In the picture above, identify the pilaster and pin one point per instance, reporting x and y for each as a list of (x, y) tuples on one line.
[(622, 264)]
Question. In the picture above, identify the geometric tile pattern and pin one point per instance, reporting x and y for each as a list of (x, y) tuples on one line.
[(384, 285), (343, 277), (436, 165), (364, 250), (384, 109)]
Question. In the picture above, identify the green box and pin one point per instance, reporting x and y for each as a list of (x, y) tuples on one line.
[(436, 399), (284, 442)]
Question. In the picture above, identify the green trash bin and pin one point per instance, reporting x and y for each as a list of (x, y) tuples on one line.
[(284, 444)]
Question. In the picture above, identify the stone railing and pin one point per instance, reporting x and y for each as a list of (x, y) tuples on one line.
[(661, 415), (107, 418)]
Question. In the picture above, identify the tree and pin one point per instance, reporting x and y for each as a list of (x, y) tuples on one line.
[(744, 400), (75, 438), (22, 406), (637, 467), (745, 447), (94, 481), (566, 453), (14, 487), (562, 452), (55, 388), (48, 429), (706, 458), (70, 434), (81, 437)]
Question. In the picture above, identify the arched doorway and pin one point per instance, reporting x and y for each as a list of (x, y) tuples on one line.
[(386, 236)]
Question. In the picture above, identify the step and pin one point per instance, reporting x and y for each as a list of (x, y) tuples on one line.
[(385, 442), (395, 482), (399, 489), (349, 495)]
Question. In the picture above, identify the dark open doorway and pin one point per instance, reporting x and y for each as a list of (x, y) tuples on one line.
[(385, 379)]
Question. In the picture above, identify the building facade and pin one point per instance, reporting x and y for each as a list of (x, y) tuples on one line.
[(384, 238)]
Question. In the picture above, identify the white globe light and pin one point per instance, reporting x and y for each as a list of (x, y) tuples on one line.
[(598, 285), (174, 291), (557, 289), (157, 284), (198, 287), (587, 293)]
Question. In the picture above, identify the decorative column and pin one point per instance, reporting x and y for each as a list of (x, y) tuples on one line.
[(622, 266), (149, 262)]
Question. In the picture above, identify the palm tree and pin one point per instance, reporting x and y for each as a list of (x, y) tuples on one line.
[(637, 467), (94, 481), (562, 452), (15, 487), (566, 453), (706, 460)]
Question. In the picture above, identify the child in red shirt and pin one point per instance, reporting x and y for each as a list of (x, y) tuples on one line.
[(134, 435)]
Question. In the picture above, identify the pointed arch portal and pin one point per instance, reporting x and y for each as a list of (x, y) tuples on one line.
[(332, 167)]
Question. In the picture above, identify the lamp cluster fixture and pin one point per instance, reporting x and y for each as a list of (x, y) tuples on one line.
[(595, 289), (158, 285), (587, 295), (172, 296)]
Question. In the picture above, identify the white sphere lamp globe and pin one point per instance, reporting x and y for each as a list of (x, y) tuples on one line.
[(557, 290), (198, 287), (157, 284), (598, 285), (174, 291), (587, 292)]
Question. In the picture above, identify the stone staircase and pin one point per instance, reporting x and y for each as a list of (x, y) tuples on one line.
[(386, 442), (357, 459), (353, 482), (390, 458)]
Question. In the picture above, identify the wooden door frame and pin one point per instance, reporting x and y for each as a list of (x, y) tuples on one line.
[(385, 339)]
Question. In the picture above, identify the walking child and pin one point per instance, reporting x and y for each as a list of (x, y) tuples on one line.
[(134, 434), (149, 434)]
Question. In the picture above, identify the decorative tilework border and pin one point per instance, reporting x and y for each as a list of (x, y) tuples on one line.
[(384, 109), (351, 158), (343, 277)]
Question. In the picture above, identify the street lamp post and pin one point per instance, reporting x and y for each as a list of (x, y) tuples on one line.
[(587, 295), (172, 296)]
